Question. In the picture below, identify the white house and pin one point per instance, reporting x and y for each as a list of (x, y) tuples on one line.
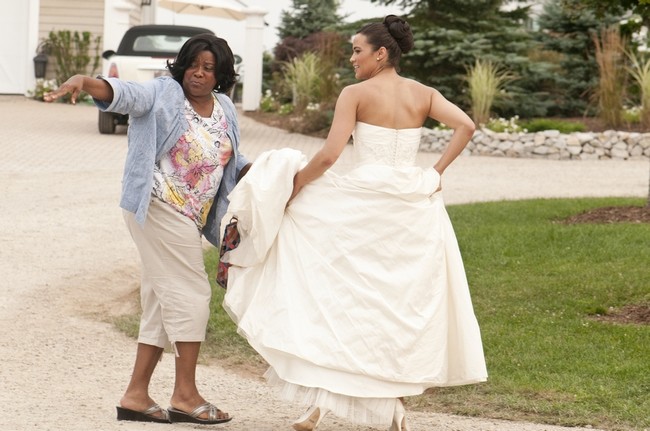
[(25, 23)]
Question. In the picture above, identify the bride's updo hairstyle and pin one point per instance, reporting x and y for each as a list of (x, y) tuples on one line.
[(393, 33)]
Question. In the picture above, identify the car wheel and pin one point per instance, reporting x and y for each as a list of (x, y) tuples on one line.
[(106, 123)]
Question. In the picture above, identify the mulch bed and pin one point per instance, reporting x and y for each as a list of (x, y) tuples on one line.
[(595, 124), (634, 314), (607, 215)]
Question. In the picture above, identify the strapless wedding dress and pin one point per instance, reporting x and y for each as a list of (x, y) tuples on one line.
[(355, 293)]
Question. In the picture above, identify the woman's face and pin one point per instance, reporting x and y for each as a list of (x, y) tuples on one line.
[(200, 79), (364, 57)]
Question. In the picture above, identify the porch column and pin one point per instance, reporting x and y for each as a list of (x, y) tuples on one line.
[(116, 22), (253, 53)]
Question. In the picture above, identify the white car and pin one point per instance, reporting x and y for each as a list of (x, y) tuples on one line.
[(142, 55)]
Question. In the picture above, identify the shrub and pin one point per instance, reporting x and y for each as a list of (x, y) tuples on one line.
[(72, 53), (541, 124), (285, 109), (268, 103), (303, 75), (312, 121), (640, 72), (609, 55), (486, 81), (42, 86), (502, 125), (330, 47), (632, 115)]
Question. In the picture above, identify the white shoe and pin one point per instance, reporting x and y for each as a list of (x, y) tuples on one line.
[(310, 419), (399, 418)]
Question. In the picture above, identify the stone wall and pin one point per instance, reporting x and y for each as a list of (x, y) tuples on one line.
[(549, 144)]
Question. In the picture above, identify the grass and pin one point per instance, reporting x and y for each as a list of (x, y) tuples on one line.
[(223, 343), (536, 284)]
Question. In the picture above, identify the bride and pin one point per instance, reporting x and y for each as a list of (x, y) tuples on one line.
[(352, 287)]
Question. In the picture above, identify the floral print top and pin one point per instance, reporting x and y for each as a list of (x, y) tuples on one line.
[(189, 175)]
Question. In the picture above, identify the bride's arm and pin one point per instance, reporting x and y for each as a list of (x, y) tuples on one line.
[(451, 115), (338, 136)]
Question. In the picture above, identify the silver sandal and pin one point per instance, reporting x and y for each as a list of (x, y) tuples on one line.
[(176, 415)]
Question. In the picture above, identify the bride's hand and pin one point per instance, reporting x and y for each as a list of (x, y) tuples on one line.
[(440, 181), (296, 189), (293, 194)]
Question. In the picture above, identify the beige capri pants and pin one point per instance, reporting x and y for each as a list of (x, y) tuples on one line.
[(175, 291)]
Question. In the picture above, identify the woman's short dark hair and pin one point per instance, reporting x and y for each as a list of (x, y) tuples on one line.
[(393, 33), (224, 72)]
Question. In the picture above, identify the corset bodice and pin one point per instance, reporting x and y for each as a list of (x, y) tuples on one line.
[(384, 146)]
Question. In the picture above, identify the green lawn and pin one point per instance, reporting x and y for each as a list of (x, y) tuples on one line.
[(537, 285)]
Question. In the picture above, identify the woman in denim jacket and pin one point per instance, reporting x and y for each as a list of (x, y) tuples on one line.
[(182, 162)]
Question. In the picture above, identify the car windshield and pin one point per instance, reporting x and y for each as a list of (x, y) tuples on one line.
[(158, 43)]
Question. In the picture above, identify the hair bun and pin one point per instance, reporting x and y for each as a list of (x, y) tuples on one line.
[(401, 32)]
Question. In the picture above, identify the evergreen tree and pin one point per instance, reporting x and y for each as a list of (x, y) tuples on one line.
[(451, 34), (620, 7), (310, 26), (308, 17), (567, 27)]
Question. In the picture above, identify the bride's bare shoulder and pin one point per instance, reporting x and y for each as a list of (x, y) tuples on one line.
[(355, 88), (353, 91), (420, 87)]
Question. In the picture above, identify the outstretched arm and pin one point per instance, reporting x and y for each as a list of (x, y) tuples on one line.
[(97, 88), (338, 136), (451, 115)]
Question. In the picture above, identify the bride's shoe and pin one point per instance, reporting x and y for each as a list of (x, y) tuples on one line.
[(310, 419), (399, 418)]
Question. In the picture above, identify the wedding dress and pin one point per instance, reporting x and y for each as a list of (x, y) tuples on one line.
[(355, 293)]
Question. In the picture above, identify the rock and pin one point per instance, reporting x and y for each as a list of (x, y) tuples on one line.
[(584, 137), (549, 144), (617, 153), (572, 141), (542, 150), (574, 150), (551, 133)]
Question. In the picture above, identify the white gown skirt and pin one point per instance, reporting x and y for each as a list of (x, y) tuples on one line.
[(358, 294)]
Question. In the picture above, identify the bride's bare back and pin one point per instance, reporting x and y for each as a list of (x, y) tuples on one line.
[(393, 102)]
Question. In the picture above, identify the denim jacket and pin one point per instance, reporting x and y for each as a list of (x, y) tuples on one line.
[(156, 122)]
